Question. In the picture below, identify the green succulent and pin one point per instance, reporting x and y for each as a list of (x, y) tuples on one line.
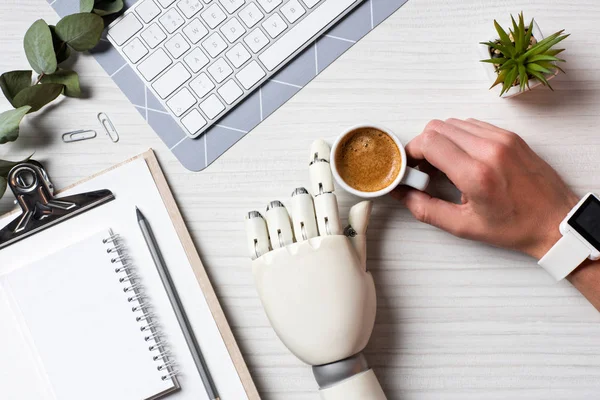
[(519, 57)]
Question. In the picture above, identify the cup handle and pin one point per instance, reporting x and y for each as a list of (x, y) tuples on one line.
[(415, 178)]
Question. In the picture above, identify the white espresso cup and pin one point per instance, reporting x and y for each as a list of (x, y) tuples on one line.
[(407, 175)]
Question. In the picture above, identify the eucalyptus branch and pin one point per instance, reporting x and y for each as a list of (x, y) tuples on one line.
[(46, 47)]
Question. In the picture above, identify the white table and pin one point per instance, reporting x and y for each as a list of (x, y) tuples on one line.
[(456, 320)]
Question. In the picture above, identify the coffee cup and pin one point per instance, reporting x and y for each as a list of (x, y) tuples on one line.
[(369, 161)]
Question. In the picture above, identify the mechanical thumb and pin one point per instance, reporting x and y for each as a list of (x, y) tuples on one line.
[(358, 220)]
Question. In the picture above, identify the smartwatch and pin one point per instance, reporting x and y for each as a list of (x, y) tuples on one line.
[(581, 239)]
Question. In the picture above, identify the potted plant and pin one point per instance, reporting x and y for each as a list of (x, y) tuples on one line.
[(521, 59)]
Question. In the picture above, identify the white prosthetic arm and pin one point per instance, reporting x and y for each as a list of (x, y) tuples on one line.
[(313, 283)]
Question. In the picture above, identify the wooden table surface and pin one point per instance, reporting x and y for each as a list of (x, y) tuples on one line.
[(456, 320)]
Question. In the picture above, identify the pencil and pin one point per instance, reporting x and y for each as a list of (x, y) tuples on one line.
[(182, 318)]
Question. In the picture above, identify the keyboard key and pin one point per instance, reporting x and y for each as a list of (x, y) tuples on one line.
[(196, 60), (292, 11), (193, 122), (238, 55), (310, 3), (202, 85), (154, 64), (231, 5), (153, 36), (177, 45), (171, 80), (230, 91), (147, 10), (214, 45), (171, 20), (212, 106), (274, 25), (181, 102), (213, 16), (269, 5), (135, 50), (250, 75), (195, 31), (220, 70), (256, 40), (128, 26), (166, 3), (233, 30), (251, 15), (189, 8), (303, 32)]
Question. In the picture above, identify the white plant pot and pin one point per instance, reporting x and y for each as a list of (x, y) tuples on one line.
[(484, 53)]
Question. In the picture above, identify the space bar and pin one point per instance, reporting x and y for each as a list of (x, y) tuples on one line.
[(306, 30)]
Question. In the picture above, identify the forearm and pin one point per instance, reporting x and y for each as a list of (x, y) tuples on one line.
[(586, 278)]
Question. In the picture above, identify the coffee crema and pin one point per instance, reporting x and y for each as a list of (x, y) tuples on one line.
[(368, 159)]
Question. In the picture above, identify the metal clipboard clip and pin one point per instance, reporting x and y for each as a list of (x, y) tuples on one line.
[(40, 209)]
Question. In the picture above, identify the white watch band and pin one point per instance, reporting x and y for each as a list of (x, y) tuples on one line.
[(566, 255)]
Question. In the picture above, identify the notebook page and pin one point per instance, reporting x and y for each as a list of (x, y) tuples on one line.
[(133, 185), (21, 374), (82, 325)]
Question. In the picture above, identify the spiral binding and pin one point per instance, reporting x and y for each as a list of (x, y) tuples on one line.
[(140, 306)]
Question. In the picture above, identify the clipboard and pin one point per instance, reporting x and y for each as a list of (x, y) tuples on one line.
[(193, 258)]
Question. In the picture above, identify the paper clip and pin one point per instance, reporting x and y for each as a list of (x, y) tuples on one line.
[(108, 127), (78, 136)]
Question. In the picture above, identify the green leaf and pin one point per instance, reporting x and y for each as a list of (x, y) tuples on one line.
[(540, 77), (502, 33), (522, 76), (499, 60), (507, 51), (38, 96), (529, 32), (6, 166), (68, 78), (80, 31), (108, 7), (499, 79), (86, 6), (13, 82), (538, 68), (517, 36), (544, 45), (39, 49), (62, 51), (554, 52), (542, 57), (550, 65), (9, 125), (3, 183), (511, 77)]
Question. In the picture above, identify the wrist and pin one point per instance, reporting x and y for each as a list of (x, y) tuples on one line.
[(548, 231)]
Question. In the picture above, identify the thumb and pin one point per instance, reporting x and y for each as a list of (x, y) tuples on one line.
[(358, 220), (431, 210)]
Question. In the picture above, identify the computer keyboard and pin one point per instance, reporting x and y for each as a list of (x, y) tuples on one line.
[(202, 57)]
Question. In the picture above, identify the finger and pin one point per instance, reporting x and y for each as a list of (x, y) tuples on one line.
[(481, 129), (443, 154), (433, 211), (454, 129), (279, 226), (321, 182), (358, 220), (257, 235), (303, 215)]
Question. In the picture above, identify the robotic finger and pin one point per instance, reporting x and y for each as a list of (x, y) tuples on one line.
[(278, 223), (326, 207), (303, 215), (257, 235)]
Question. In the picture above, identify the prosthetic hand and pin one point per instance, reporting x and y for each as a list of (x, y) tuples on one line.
[(313, 283)]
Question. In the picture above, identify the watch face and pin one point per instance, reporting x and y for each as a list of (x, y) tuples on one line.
[(586, 221)]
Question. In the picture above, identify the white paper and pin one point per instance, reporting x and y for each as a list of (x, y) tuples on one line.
[(133, 186), (82, 326)]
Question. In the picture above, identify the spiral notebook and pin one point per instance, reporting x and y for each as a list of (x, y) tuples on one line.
[(83, 325), (73, 327)]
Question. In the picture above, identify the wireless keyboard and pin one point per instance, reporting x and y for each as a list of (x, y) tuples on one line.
[(202, 57)]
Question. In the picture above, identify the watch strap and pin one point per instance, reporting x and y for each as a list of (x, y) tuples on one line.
[(566, 255)]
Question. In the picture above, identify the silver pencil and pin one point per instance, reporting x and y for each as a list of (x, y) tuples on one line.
[(182, 318)]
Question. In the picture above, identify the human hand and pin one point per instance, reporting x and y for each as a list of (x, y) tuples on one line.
[(511, 198)]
